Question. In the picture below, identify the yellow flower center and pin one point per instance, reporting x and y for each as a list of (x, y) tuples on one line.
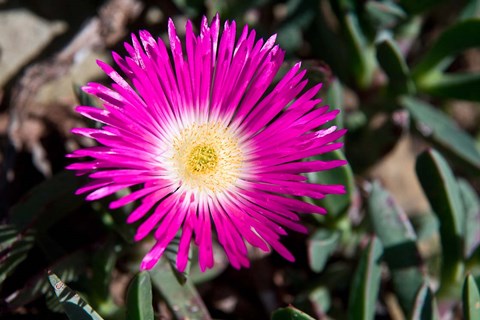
[(202, 159), (206, 157)]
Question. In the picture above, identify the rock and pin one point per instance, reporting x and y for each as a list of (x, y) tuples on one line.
[(23, 37)]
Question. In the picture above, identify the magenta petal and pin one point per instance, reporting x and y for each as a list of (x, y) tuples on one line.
[(277, 246), (92, 185), (152, 257), (152, 221), (184, 246), (131, 197), (204, 238), (106, 191)]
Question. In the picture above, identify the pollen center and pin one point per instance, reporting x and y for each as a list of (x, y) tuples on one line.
[(202, 159), (205, 157)]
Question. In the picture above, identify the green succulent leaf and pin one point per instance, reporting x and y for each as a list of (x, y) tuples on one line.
[(471, 10), (425, 307), (418, 6), (320, 246), (398, 237), (355, 120), (443, 131), (227, 9), (471, 299), (171, 256), (103, 264), (14, 247), (384, 14), (334, 98), (197, 276), (426, 225), (184, 300), (115, 219), (68, 268), (392, 62), (52, 302), (74, 306), (361, 51), (83, 98), (462, 86), (366, 283), (471, 208), (320, 300), (335, 55), (139, 298), (409, 31), (190, 7), (8, 236), (47, 202), (290, 313), (299, 15), (457, 38), (443, 193)]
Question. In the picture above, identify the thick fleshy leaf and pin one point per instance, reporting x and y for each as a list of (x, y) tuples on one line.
[(361, 50), (14, 248), (426, 225), (393, 64), (471, 299), (355, 120), (290, 313), (69, 268), (457, 38), (139, 298), (83, 98), (171, 256), (384, 14), (47, 202), (442, 191), (471, 208), (334, 98), (320, 300), (103, 263), (8, 235), (115, 218), (335, 54), (462, 86), (397, 235), (442, 131), (336, 205), (366, 283), (198, 276), (298, 16), (417, 6), (425, 306), (190, 7), (52, 302), (74, 306), (184, 300), (470, 10), (320, 246)]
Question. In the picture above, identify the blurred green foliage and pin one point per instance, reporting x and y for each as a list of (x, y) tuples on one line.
[(399, 61)]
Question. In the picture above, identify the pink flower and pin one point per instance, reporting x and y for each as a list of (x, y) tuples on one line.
[(209, 144)]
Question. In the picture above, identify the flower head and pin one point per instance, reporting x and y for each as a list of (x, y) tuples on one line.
[(207, 141)]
